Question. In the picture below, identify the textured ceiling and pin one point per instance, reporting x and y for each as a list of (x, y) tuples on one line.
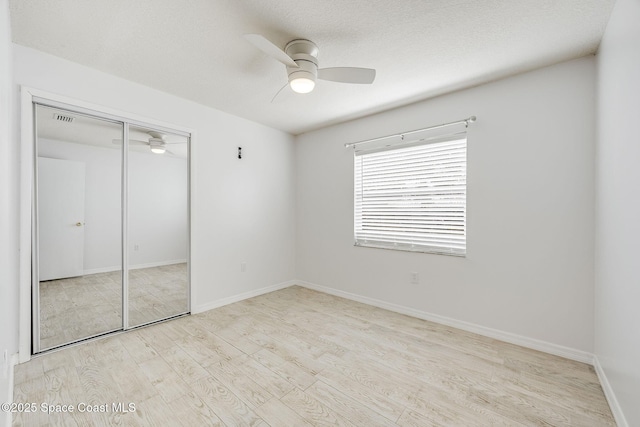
[(420, 48)]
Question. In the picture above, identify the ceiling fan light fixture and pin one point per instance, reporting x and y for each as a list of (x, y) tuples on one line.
[(157, 146), (302, 84), (302, 78)]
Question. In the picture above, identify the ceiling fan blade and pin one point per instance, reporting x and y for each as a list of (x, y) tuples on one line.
[(348, 75), (270, 49), (131, 142), (279, 92)]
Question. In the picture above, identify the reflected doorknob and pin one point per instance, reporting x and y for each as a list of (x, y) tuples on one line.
[(78, 224)]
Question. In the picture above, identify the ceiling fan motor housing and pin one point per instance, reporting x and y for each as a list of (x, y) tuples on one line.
[(305, 55), (156, 142)]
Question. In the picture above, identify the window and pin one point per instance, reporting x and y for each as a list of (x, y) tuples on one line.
[(412, 197)]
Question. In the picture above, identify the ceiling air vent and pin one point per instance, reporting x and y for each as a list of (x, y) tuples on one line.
[(63, 118)]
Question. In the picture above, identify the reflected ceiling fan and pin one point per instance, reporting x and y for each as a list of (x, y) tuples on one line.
[(301, 59), (157, 142)]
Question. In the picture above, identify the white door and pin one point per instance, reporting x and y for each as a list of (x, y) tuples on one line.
[(61, 186)]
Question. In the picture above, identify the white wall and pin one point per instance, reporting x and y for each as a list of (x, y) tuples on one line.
[(242, 210), (8, 212), (617, 319), (158, 208), (529, 266), (158, 222)]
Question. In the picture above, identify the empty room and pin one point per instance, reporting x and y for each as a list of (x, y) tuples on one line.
[(319, 213)]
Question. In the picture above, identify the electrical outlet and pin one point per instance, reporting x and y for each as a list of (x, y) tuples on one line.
[(136, 247), (243, 267), (415, 278)]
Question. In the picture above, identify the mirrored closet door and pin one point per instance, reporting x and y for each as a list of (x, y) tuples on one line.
[(78, 200), (111, 226), (158, 225)]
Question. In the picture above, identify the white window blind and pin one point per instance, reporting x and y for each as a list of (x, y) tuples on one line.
[(413, 197)]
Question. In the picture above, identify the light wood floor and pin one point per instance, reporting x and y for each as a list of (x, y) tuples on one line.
[(297, 357), (75, 308)]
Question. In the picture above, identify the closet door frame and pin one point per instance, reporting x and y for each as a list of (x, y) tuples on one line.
[(28, 243)]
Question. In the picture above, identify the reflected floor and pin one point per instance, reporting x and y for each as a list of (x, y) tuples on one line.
[(75, 308)]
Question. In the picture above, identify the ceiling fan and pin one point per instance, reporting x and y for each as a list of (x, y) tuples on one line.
[(301, 58), (157, 142)]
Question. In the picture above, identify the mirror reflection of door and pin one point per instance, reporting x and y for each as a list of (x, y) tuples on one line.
[(158, 225), (78, 222), (61, 205), (91, 211)]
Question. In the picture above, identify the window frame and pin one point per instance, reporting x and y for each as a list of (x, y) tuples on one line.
[(418, 244)]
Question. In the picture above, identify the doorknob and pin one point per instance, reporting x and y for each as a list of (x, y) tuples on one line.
[(78, 224)]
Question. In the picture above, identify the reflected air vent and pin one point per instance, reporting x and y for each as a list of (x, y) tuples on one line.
[(63, 118)]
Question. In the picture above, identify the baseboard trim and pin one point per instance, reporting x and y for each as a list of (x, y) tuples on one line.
[(239, 297), (532, 343), (618, 415), (13, 361), (133, 267)]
